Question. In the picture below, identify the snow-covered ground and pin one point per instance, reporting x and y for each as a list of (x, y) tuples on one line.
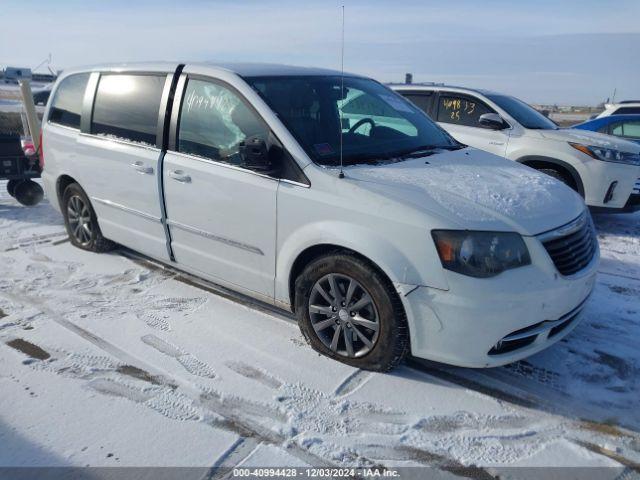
[(110, 360)]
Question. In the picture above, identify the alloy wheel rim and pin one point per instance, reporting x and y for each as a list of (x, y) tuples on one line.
[(79, 220), (343, 315)]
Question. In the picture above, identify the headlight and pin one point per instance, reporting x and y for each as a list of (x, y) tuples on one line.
[(608, 154), (480, 254)]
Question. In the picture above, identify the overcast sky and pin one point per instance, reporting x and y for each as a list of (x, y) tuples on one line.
[(542, 51)]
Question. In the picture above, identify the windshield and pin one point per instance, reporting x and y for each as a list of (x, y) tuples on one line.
[(377, 124), (524, 114)]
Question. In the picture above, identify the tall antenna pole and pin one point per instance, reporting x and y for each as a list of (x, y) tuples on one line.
[(341, 174)]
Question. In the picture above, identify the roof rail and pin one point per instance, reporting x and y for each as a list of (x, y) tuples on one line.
[(424, 84)]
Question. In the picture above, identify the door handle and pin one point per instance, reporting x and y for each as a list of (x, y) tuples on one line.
[(141, 168), (179, 176)]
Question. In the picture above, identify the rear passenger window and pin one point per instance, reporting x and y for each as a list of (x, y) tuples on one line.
[(420, 100), (631, 129), (461, 110), (66, 108), (126, 107), (214, 122)]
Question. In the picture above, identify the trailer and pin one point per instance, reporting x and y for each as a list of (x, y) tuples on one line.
[(20, 156), (19, 164)]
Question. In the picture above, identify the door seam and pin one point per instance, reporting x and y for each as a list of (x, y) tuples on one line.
[(165, 143)]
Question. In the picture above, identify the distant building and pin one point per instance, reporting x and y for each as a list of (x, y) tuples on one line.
[(14, 74)]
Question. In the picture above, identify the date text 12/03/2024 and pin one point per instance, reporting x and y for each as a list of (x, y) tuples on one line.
[(316, 473)]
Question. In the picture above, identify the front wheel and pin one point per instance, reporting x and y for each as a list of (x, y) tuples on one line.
[(349, 311), (81, 221), (552, 172)]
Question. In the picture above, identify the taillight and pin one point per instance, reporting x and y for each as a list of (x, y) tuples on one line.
[(41, 153)]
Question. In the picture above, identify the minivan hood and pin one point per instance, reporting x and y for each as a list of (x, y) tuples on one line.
[(475, 190), (589, 138)]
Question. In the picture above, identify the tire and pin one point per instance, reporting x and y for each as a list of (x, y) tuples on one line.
[(558, 176), (81, 221), (11, 187), (382, 320), (28, 193)]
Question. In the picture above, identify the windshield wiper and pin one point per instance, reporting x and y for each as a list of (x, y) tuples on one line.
[(416, 152), (459, 146), (428, 150)]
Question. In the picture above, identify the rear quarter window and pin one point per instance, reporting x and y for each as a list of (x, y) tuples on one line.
[(66, 108), (461, 110), (421, 100), (126, 107)]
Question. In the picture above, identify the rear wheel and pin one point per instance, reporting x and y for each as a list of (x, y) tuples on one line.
[(28, 193), (349, 311), (81, 221)]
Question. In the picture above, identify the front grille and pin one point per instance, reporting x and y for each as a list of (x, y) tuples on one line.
[(636, 187), (572, 248)]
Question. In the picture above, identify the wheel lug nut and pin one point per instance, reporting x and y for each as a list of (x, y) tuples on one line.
[(353, 314), (343, 304)]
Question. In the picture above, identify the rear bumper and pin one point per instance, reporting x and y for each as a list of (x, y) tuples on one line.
[(492, 322)]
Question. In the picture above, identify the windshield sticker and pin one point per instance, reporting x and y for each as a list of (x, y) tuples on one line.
[(397, 103), (323, 149)]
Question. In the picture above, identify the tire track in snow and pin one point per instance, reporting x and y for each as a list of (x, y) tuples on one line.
[(235, 454), (352, 383), (17, 244)]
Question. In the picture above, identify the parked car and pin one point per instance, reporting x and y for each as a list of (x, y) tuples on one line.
[(624, 126), (626, 107), (232, 173), (41, 97), (603, 169)]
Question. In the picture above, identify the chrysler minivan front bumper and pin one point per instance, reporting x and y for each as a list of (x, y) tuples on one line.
[(495, 321)]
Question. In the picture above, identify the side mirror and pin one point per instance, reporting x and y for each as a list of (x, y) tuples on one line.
[(255, 155), (492, 121)]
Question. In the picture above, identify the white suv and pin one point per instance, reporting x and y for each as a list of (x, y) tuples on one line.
[(602, 168), (627, 107), (231, 173)]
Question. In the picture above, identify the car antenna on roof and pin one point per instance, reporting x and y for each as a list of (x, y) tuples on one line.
[(341, 174)]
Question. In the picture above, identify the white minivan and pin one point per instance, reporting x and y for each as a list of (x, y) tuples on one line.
[(232, 173), (604, 169)]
